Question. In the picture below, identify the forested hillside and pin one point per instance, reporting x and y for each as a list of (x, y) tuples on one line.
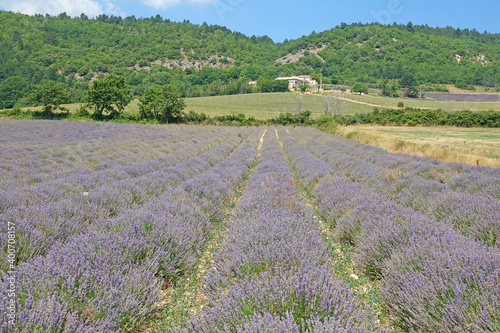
[(367, 53), (210, 60)]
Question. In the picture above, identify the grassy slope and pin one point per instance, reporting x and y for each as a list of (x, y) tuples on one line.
[(264, 106)]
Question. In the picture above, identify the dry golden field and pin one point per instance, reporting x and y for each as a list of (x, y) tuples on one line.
[(466, 145)]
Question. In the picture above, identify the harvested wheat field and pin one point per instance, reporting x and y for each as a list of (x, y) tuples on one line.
[(474, 146)]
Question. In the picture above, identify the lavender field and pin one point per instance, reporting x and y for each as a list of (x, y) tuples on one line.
[(100, 221)]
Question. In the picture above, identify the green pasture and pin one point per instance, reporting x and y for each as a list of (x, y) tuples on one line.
[(264, 106)]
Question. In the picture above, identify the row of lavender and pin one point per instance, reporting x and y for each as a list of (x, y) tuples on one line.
[(272, 271), (474, 214), (56, 209), (91, 163), (78, 177), (433, 278), (35, 151), (108, 277), (458, 177)]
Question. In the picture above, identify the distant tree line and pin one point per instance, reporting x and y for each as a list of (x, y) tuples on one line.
[(413, 117), (106, 99)]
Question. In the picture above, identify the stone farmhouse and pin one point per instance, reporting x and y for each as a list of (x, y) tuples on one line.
[(294, 82)]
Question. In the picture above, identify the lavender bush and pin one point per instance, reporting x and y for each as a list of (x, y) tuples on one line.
[(308, 294), (42, 220), (458, 177), (444, 283)]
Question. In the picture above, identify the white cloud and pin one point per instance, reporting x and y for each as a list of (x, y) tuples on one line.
[(163, 4), (53, 7), (112, 9), (203, 2)]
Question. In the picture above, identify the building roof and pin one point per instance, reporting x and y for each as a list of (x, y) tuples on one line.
[(290, 78)]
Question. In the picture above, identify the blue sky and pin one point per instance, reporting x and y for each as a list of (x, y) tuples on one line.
[(282, 19)]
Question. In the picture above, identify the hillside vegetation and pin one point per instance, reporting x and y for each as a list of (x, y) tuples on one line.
[(206, 60)]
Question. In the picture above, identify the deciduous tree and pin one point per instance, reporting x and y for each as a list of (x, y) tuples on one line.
[(108, 95), (164, 104), (50, 95), (360, 88)]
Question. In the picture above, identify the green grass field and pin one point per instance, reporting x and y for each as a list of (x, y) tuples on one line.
[(269, 105), (264, 106)]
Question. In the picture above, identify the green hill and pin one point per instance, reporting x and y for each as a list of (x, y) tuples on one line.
[(205, 60)]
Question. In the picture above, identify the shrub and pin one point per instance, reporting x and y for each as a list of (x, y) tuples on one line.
[(303, 118), (269, 85), (304, 87), (15, 111), (194, 117), (143, 63), (473, 215), (327, 124), (410, 116), (82, 112), (383, 233)]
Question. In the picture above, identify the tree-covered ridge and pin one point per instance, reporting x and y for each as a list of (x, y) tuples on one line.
[(210, 60), (367, 53), (80, 45)]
